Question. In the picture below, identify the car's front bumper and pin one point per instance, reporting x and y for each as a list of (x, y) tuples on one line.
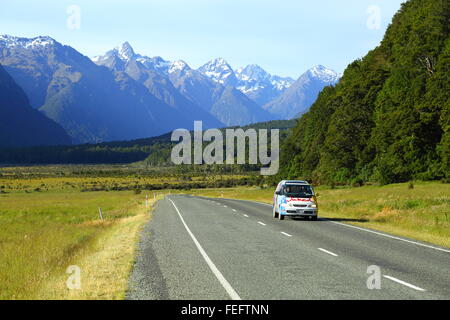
[(307, 212)]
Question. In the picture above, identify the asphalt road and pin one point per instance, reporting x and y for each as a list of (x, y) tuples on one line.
[(199, 248)]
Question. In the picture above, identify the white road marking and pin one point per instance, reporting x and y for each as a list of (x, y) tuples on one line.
[(389, 236), (266, 204), (329, 252), (404, 283), (286, 234), (225, 206), (245, 215), (366, 230), (225, 284), (234, 210), (263, 224)]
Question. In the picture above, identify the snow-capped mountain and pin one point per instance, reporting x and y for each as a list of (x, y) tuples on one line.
[(253, 76), (125, 51), (281, 83), (92, 103), (178, 66), (125, 54), (154, 74), (138, 96), (259, 85), (325, 74), (219, 71), (252, 80), (283, 97), (180, 86), (157, 64), (299, 97), (252, 72), (26, 43)]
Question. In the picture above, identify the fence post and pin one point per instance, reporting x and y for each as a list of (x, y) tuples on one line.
[(101, 214), (146, 200)]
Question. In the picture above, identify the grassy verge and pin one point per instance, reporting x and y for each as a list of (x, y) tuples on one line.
[(43, 233), (421, 213)]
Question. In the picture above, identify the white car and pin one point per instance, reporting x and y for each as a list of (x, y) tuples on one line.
[(295, 199)]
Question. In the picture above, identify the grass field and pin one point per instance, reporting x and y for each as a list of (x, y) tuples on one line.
[(421, 213), (42, 233), (49, 218)]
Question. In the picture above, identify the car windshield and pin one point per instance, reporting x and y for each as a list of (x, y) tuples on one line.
[(298, 191)]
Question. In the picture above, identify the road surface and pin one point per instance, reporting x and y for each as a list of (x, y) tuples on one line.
[(200, 248)]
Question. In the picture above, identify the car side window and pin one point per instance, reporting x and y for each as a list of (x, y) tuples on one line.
[(278, 190)]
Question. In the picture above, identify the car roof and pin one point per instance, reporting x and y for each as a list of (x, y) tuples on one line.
[(294, 182)]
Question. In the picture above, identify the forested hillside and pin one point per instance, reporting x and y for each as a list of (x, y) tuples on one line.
[(388, 118)]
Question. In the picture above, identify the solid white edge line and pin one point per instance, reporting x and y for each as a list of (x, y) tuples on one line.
[(263, 224), (404, 283), (388, 236), (225, 284), (329, 252), (286, 234)]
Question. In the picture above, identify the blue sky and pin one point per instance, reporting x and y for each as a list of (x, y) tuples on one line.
[(285, 37)]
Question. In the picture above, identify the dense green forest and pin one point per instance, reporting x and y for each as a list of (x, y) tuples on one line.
[(388, 118)]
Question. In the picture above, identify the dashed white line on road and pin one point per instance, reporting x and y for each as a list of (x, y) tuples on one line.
[(225, 206), (263, 224), (367, 230), (225, 284), (286, 234), (329, 252), (245, 215), (404, 283), (234, 210)]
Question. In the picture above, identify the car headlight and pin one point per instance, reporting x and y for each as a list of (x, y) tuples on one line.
[(313, 205)]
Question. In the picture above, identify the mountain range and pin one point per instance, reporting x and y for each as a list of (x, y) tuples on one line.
[(123, 95), (178, 85), (20, 124), (297, 99)]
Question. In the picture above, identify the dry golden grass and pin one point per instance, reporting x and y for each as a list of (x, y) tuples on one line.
[(105, 266), (43, 233)]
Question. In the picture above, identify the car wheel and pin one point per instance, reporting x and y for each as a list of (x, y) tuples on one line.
[(280, 216), (275, 214)]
